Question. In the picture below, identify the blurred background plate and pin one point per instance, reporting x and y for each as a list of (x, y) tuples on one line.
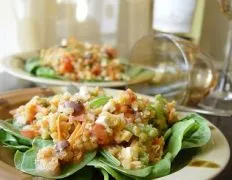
[(14, 65)]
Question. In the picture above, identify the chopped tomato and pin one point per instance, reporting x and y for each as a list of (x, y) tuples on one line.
[(102, 136), (158, 141), (29, 133), (96, 69), (132, 96), (117, 107), (112, 53), (67, 65)]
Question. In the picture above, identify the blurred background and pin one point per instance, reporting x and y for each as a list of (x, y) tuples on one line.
[(26, 25)]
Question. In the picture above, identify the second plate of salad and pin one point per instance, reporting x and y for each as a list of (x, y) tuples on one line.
[(76, 63)]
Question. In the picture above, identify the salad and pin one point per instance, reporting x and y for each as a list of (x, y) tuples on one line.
[(125, 136), (78, 61)]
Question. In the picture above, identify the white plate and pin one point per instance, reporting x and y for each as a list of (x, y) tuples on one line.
[(217, 151), (14, 65)]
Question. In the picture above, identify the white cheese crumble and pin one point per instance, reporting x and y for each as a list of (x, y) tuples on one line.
[(109, 106)]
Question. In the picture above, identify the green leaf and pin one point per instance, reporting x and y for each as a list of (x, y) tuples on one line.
[(178, 131), (32, 64), (110, 157), (41, 143), (46, 72), (161, 168), (11, 129), (16, 147), (167, 134), (18, 159), (134, 71), (11, 142), (26, 162), (99, 101), (101, 165), (85, 173), (200, 136), (7, 138), (128, 172), (105, 174)]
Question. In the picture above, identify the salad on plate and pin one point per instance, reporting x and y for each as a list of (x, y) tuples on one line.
[(125, 136), (78, 61)]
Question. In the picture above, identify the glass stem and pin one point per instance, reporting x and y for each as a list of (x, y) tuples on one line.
[(224, 81)]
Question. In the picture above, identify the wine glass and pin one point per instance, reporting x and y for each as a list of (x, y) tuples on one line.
[(221, 97)]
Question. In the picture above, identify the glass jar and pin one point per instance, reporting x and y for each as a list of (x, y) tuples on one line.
[(181, 70)]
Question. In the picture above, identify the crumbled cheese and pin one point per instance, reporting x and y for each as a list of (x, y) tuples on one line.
[(20, 120), (127, 153), (102, 120), (109, 106), (27, 127), (91, 116), (84, 93)]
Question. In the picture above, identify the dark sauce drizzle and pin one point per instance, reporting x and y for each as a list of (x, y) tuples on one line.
[(203, 163)]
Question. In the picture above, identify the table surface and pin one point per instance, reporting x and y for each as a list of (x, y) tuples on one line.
[(7, 83)]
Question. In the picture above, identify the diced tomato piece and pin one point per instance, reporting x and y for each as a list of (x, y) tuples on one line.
[(159, 141), (100, 132), (132, 96), (112, 53), (29, 133), (67, 65), (117, 107), (96, 69)]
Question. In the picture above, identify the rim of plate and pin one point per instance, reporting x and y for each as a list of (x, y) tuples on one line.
[(14, 65), (217, 150)]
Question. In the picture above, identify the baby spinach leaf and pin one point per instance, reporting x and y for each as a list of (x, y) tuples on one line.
[(85, 173), (99, 101), (18, 159), (200, 135), (32, 64), (17, 147), (11, 142), (9, 128), (133, 71), (162, 167), (105, 174), (101, 165), (7, 138), (178, 131), (135, 173), (26, 162), (167, 134), (110, 157), (41, 143), (46, 72)]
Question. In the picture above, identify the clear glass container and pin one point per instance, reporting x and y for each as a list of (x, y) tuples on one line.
[(181, 71)]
